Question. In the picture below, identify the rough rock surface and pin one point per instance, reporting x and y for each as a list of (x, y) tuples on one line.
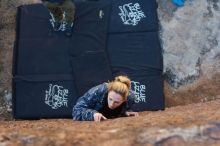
[(194, 125), (190, 37)]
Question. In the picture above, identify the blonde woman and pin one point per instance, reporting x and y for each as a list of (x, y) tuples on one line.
[(106, 101)]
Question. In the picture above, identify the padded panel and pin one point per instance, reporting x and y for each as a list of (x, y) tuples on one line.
[(48, 63), (42, 56), (135, 50), (43, 99), (90, 27), (33, 21), (133, 16), (43, 60), (89, 58), (149, 93), (90, 69)]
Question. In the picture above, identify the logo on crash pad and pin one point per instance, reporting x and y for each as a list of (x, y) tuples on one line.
[(63, 24), (56, 96), (131, 14), (139, 91)]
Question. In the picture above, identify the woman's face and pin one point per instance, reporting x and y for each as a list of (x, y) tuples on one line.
[(114, 100)]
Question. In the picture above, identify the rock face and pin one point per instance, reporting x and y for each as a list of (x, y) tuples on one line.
[(190, 37), (191, 42), (190, 125)]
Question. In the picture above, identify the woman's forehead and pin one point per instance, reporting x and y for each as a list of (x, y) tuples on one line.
[(115, 96)]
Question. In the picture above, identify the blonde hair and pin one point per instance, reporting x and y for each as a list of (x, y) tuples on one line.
[(120, 85)]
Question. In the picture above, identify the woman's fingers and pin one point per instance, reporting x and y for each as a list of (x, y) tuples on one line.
[(136, 114), (103, 117), (132, 114), (98, 117)]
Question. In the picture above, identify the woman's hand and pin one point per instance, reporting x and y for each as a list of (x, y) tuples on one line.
[(98, 117), (131, 114)]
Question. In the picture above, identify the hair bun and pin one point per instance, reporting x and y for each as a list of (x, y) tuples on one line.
[(125, 80)]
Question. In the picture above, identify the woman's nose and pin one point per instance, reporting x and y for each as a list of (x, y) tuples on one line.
[(112, 104)]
